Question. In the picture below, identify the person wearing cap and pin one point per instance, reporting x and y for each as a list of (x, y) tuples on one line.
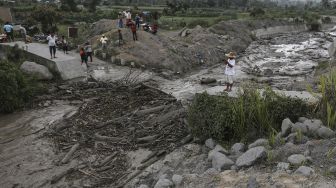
[(103, 41), (230, 70)]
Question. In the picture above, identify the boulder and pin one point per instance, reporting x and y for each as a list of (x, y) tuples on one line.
[(41, 72), (296, 138), (302, 119), (325, 132), (252, 182), (164, 183), (282, 166), (221, 162), (251, 157), (332, 170), (208, 80), (297, 159), (304, 170), (286, 127), (313, 126), (238, 148), (259, 142), (210, 143), (299, 127), (177, 179), (219, 149)]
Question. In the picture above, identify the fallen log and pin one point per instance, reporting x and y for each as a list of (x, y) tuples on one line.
[(150, 110), (146, 139), (148, 163), (58, 177), (70, 153), (187, 139), (107, 138), (116, 120), (107, 159), (149, 156)]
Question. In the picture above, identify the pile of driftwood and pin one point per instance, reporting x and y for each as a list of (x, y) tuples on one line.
[(113, 121)]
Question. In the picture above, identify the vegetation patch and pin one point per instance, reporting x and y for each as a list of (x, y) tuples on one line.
[(251, 115)]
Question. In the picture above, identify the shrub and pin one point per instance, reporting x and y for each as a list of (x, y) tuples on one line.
[(244, 118), (256, 12), (327, 107), (326, 20), (200, 22), (16, 88)]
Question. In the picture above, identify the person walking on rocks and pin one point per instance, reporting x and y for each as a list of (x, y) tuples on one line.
[(137, 21), (120, 37), (133, 29), (64, 45), (52, 45), (83, 56), (230, 70), (9, 30), (103, 41), (88, 50)]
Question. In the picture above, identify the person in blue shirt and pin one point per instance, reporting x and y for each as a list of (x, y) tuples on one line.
[(137, 21), (8, 28)]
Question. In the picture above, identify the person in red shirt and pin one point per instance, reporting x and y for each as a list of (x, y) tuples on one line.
[(133, 29)]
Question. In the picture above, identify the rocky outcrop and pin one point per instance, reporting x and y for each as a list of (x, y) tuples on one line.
[(251, 156), (39, 71)]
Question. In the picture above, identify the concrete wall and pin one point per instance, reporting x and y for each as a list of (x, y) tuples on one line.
[(279, 29)]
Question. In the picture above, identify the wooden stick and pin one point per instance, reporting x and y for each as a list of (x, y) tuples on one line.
[(146, 139), (70, 153), (107, 138), (58, 177), (107, 159)]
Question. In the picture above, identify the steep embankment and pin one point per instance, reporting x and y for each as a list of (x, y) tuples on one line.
[(183, 51)]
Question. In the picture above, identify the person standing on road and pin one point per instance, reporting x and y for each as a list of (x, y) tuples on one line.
[(137, 21), (88, 50), (9, 30), (84, 58), (64, 45), (230, 70), (52, 45), (133, 29)]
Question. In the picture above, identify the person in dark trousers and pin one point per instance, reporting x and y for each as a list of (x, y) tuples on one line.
[(120, 37), (64, 45), (137, 21), (52, 44), (9, 30), (133, 29), (84, 57), (88, 50)]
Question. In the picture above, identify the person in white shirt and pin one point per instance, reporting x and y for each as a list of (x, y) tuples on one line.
[(52, 44), (103, 41), (230, 70)]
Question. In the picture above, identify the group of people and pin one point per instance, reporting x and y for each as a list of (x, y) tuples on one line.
[(53, 42), (133, 25)]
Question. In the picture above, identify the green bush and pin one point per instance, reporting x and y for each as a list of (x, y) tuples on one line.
[(251, 115), (194, 23), (16, 88)]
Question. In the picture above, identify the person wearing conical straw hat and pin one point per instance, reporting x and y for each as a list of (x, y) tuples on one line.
[(230, 70)]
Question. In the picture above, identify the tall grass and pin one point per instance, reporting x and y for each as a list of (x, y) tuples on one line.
[(327, 108), (251, 115)]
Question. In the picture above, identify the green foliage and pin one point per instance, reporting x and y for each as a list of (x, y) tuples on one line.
[(311, 18), (246, 117), (257, 12), (327, 108), (48, 16), (91, 4), (326, 20), (16, 88)]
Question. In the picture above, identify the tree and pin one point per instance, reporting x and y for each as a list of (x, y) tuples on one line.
[(69, 5), (92, 4), (325, 3), (48, 16)]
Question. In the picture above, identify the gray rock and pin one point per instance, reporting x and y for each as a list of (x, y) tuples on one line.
[(304, 170), (299, 127), (286, 127), (238, 148), (297, 138), (164, 183), (259, 142), (332, 169), (302, 119), (177, 179), (221, 162), (297, 159), (41, 72), (325, 132), (251, 156), (143, 186), (210, 143), (252, 182), (234, 167), (307, 153), (282, 166), (313, 126)]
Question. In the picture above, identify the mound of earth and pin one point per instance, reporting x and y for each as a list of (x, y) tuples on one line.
[(184, 50)]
